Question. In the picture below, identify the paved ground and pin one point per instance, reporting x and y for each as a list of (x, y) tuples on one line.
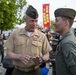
[(50, 69), (3, 70)]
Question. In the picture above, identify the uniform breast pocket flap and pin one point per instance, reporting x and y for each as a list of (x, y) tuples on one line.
[(36, 43), (19, 43)]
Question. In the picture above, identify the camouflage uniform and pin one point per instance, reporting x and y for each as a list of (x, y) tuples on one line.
[(66, 56)]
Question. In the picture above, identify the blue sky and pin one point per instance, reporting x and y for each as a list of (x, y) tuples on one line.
[(54, 4)]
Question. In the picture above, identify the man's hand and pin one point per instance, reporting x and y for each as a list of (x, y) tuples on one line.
[(24, 58), (19, 57), (37, 60)]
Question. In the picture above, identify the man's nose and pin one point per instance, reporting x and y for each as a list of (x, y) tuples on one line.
[(34, 23)]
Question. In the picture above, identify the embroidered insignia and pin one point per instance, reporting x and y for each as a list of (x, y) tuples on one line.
[(36, 37)]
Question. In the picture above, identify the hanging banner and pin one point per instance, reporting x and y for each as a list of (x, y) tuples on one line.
[(46, 16)]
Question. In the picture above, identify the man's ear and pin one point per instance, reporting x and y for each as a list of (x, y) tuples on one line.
[(66, 22)]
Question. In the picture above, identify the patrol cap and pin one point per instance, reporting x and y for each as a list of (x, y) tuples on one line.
[(32, 12), (65, 12)]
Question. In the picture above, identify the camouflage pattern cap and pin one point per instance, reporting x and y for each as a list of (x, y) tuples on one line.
[(32, 12), (65, 12)]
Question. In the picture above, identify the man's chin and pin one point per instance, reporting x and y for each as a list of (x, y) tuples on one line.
[(32, 30), (56, 30)]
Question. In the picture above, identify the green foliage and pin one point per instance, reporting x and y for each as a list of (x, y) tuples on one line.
[(10, 13), (52, 25), (20, 4)]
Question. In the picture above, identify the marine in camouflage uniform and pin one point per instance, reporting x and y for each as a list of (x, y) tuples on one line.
[(66, 55)]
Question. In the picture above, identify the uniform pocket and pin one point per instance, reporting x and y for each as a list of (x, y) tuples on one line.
[(19, 43), (36, 43), (19, 46), (36, 47)]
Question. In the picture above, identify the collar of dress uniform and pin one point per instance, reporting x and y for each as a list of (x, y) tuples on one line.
[(23, 31), (66, 34)]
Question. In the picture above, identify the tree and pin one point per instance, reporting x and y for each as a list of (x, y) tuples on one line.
[(20, 4), (10, 13), (52, 25)]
